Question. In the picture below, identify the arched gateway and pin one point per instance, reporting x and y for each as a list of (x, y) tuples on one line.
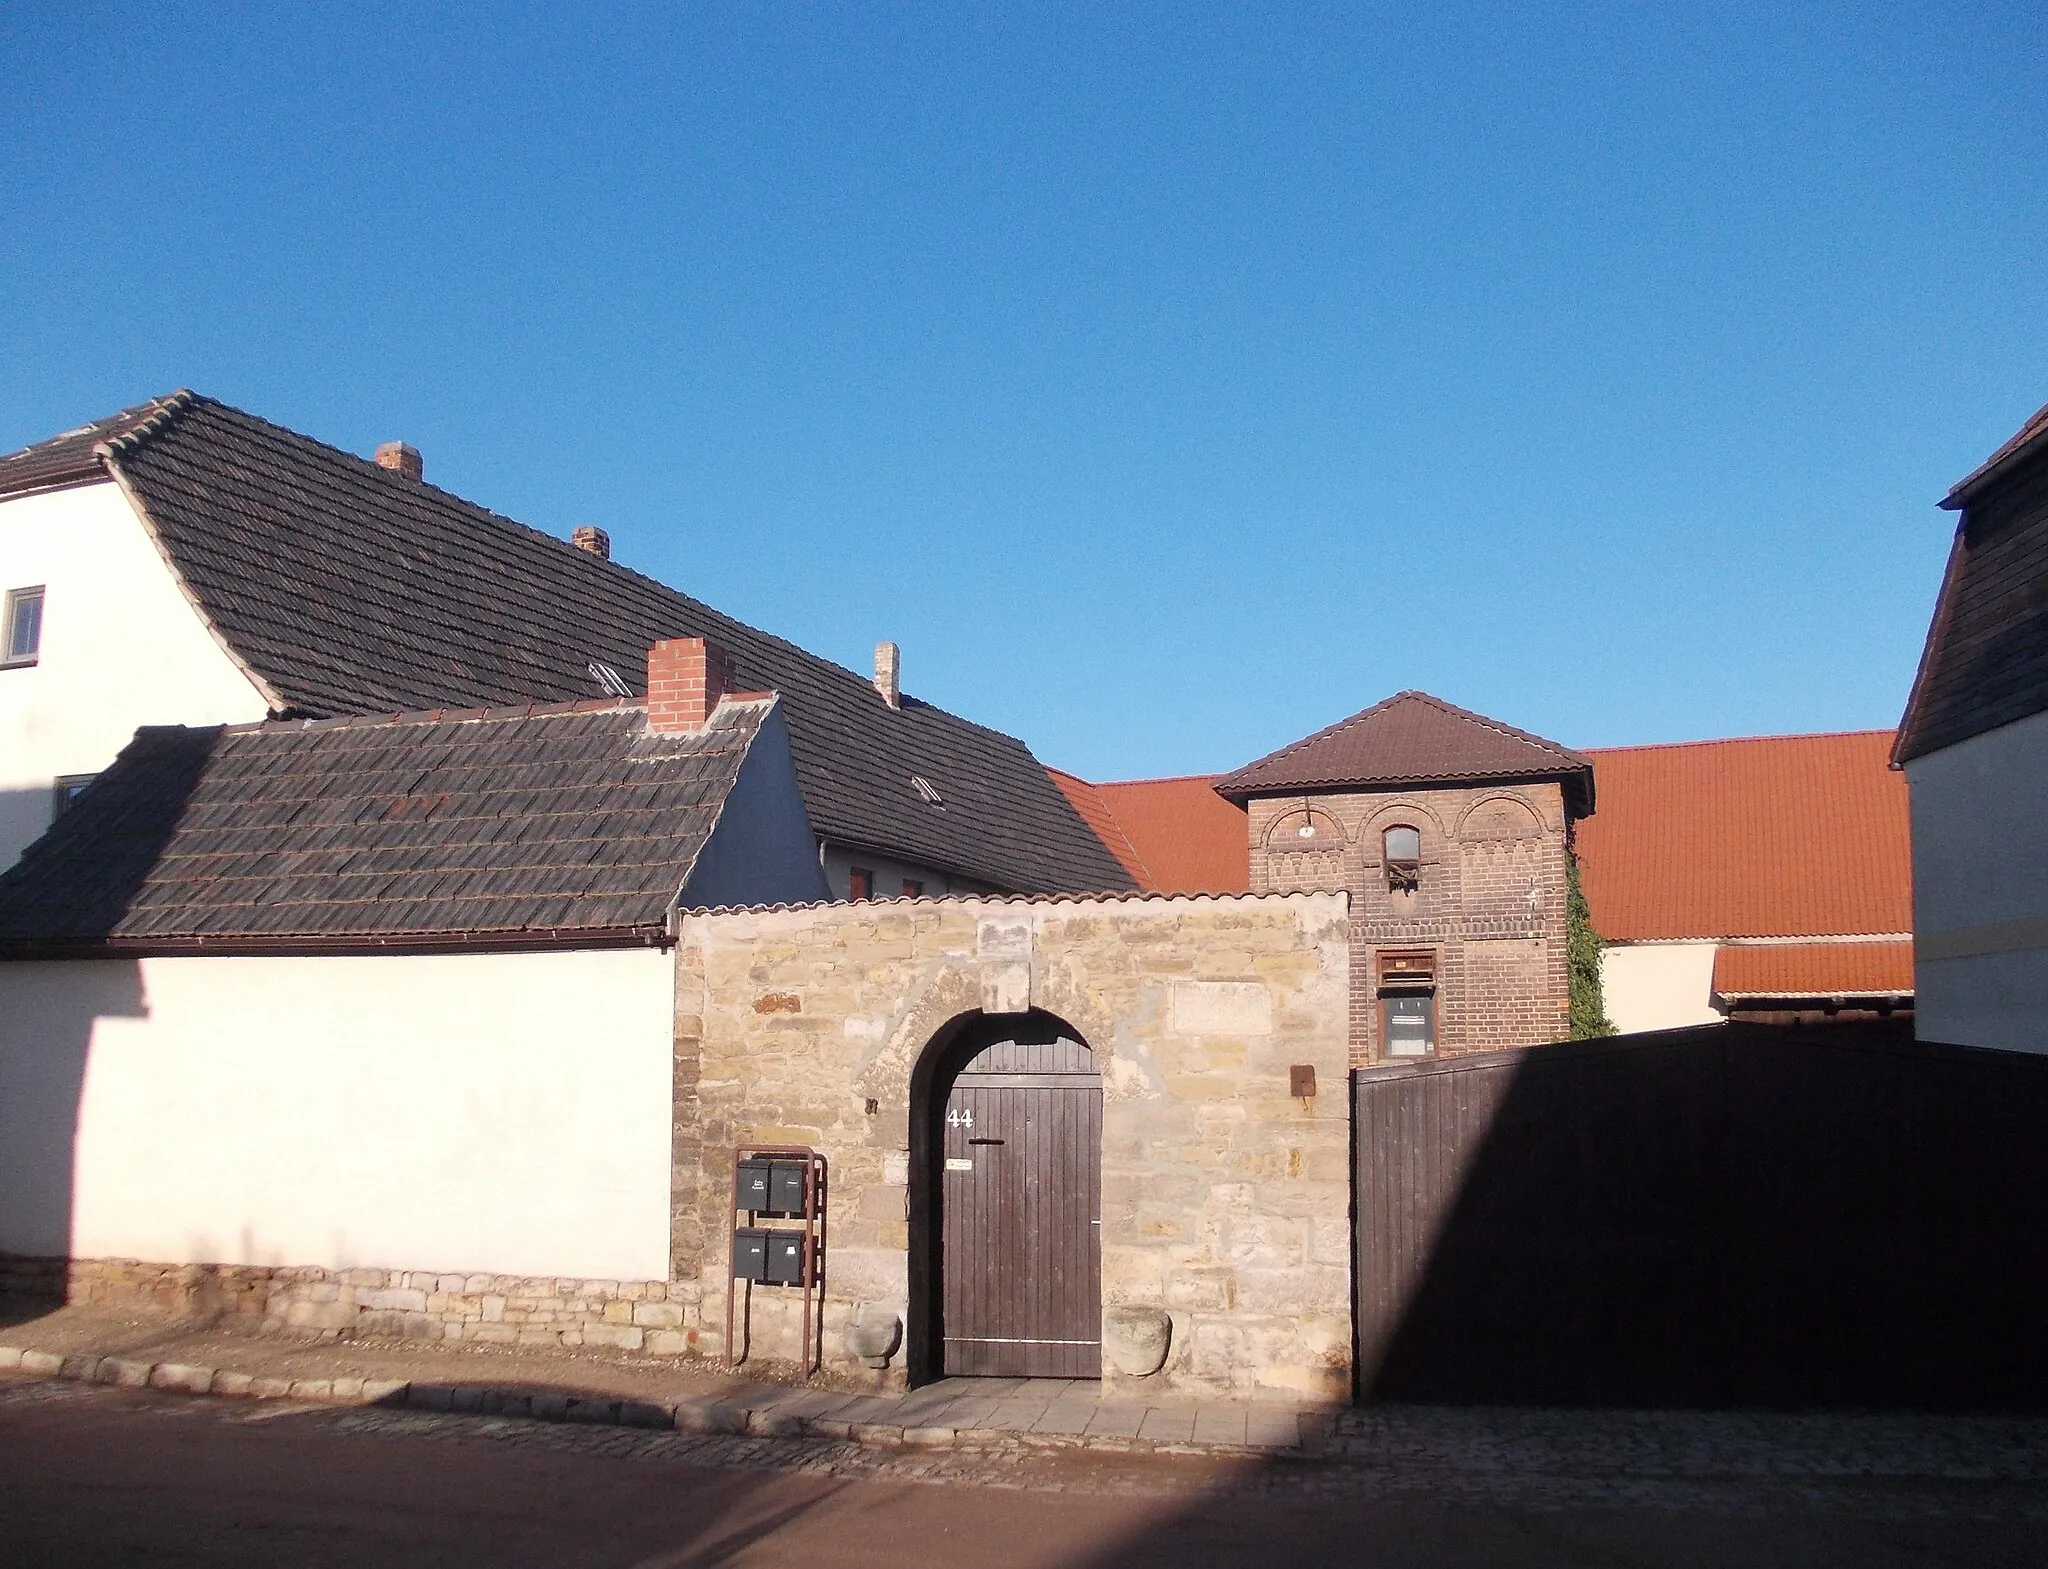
[(1007, 1222)]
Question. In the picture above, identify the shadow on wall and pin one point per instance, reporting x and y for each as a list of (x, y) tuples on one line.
[(74, 883), (1737, 1215)]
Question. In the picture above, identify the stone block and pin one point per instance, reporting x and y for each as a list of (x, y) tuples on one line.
[(623, 1337), (551, 1407), (124, 1372), (313, 1389), (617, 1312), (347, 1391), (402, 1299), (44, 1364), (271, 1388), (10, 1357), (493, 1309), (707, 1414), (601, 1413), (669, 1342), (384, 1391), (430, 1397), (82, 1367), (226, 1383), (182, 1378), (658, 1315), (492, 1334), (644, 1413)]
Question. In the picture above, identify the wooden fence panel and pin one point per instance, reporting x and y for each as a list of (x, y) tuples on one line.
[(1740, 1215)]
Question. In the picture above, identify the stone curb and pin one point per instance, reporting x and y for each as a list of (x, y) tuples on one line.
[(690, 1414)]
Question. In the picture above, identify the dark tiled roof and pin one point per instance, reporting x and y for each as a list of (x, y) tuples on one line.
[(1413, 738), (574, 820), (1985, 663), (345, 588), (73, 457), (2030, 436)]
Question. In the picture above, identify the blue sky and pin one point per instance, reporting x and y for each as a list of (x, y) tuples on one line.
[(1169, 382)]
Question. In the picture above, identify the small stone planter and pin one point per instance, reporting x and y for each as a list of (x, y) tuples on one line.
[(873, 1335), (1136, 1339)]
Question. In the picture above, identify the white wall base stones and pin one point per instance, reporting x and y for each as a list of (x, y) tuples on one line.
[(648, 1316)]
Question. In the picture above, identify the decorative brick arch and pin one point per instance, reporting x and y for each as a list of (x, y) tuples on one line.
[(1503, 815)]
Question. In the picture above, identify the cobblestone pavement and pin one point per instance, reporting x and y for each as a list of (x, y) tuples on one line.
[(1871, 1467)]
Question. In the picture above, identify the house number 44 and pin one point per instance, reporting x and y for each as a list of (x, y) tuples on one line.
[(959, 1117)]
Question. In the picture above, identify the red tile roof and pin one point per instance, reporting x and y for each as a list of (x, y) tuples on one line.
[(1172, 835), (1413, 738), (1775, 836), (1815, 969)]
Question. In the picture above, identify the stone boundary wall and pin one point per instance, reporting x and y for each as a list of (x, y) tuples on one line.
[(626, 1315), (1225, 1197)]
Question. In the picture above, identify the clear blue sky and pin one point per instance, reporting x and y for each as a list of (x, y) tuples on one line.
[(1168, 382)]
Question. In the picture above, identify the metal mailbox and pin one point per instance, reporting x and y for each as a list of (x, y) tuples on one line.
[(754, 1185), (786, 1187), (785, 1258), (750, 1253)]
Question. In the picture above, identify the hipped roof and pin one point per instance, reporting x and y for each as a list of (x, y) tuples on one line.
[(1413, 738), (345, 588)]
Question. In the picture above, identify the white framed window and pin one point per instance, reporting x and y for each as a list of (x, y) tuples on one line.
[(24, 628)]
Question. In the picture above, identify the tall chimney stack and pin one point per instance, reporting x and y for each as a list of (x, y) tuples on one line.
[(889, 673), (587, 536), (686, 677), (401, 459)]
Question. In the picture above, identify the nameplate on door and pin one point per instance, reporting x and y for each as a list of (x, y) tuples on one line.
[(953, 1164)]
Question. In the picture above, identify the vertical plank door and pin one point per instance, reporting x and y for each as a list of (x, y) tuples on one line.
[(1021, 1261)]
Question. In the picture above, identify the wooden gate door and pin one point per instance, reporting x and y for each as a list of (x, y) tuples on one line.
[(1019, 1213)]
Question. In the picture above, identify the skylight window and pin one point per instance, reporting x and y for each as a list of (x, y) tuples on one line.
[(927, 792), (608, 678)]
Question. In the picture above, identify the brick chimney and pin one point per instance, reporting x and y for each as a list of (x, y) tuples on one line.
[(589, 537), (686, 677), (889, 673), (401, 459)]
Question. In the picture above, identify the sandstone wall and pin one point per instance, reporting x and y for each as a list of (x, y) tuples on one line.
[(1225, 1199)]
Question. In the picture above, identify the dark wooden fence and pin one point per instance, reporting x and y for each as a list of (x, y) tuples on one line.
[(1736, 1215)]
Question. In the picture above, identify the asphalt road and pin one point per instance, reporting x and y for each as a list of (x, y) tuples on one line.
[(94, 1476)]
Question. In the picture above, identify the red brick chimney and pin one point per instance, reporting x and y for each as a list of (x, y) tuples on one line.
[(588, 536), (686, 677), (401, 459)]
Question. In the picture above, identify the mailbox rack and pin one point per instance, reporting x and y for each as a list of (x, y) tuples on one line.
[(792, 1171)]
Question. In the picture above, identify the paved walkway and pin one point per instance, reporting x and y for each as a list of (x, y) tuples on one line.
[(97, 1346), (1052, 1409)]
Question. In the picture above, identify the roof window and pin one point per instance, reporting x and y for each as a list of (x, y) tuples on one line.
[(927, 792), (609, 679)]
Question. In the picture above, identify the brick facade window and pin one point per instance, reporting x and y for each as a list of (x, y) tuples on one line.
[(1402, 847), (860, 883), (912, 888), (1408, 1003)]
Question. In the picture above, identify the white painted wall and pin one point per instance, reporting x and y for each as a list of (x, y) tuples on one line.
[(1980, 889), (503, 1113), (762, 850), (1658, 986), (122, 647)]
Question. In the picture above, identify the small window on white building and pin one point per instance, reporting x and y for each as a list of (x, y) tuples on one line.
[(24, 626)]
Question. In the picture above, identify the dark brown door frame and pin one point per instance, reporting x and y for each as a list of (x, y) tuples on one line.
[(950, 1049)]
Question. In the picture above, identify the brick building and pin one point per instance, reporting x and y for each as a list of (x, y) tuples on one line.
[(1449, 832)]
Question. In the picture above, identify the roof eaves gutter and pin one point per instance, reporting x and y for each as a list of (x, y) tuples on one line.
[(332, 945)]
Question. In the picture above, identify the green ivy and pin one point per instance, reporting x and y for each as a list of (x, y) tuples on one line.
[(1582, 957)]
